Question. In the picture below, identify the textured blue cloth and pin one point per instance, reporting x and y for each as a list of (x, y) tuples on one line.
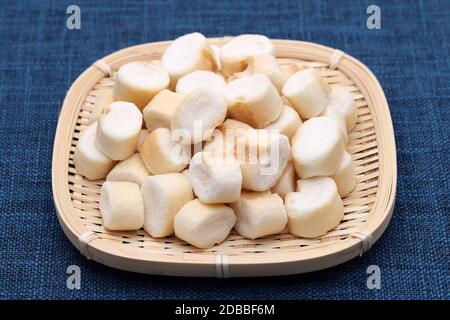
[(40, 58)]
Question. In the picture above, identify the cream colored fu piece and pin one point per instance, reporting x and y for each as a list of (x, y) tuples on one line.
[(200, 78), (267, 64), (308, 92), (235, 54), (215, 178), (103, 99), (131, 169), (198, 114), (287, 182), (287, 123), (186, 54), (334, 113), (118, 130), (253, 100), (161, 154), (88, 159), (161, 110), (345, 176), (138, 82), (317, 148), (315, 209), (121, 206), (143, 134), (204, 225), (343, 99), (259, 214), (164, 195), (263, 156)]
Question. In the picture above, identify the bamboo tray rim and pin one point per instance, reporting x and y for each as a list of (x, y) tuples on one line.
[(114, 255)]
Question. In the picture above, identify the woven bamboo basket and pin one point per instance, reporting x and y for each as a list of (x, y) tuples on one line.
[(367, 209)]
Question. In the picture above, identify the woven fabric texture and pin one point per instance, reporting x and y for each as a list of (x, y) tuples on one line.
[(40, 58)]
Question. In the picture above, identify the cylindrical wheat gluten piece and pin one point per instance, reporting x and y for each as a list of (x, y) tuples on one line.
[(343, 99), (345, 177), (287, 123), (159, 112), (186, 54), (253, 100), (198, 114), (334, 113), (138, 82), (89, 161), (200, 78), (235, 54), (118, 130), (161, 154), (263, 156), (143, 134), (224, 137), (259, 214), (104, 98), (317, 148), (215, 178), (131, 169), (267, 64), (315, 209), (287, 182), (164, 195), (204, 225), (121, 206), (308, 92)]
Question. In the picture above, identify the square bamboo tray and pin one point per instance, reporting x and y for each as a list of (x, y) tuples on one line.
[(368, 208)]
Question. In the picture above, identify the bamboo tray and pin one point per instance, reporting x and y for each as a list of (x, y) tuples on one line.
[(367, 209)]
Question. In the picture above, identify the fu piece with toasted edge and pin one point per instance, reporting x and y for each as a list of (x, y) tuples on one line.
[(204, 225), (131, 169), (315, 208), (89, 161), (118, 130), (215, 177), (121, 206), (138, 82), (164, 195), (259, 214)]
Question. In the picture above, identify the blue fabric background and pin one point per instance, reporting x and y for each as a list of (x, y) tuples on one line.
[(40, 57)]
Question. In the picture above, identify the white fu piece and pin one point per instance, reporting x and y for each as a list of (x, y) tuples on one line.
[(161, 154), (164, 195), (121, 206), (198, 79), (161, 110), (287, 123), (267, 64), (235, 54), (345, 176), (287, 182), (143, 134), (215, 177), (138, 82), (131, 169), (317, 148), (186, 54), (204, 225), (259, 214), (308, 92), (198, 114), (315, 208), (118, 130), (343, 99), (334, 113), (263, 156), (253, 100), (89, 161)]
